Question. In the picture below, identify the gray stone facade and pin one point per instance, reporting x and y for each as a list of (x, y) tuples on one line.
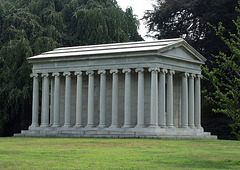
[(122, 90)]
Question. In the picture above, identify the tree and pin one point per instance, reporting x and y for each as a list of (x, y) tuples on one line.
[(225, 76), (30, 27), (188, 19)]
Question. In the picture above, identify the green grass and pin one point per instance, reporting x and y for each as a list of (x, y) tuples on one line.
[(82, 153)]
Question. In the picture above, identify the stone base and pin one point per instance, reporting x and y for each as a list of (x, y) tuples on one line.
[(79, 132)]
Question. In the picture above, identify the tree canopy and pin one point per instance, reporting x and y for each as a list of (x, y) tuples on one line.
[(30, 27), (225, 77), (188, 19)]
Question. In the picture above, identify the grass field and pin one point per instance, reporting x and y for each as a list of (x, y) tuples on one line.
[(83, 153)]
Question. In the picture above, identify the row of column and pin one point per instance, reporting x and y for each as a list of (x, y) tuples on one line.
[(159, 115)]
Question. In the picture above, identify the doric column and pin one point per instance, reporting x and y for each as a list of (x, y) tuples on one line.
[(56, 106), (35, 100), (184, 101), (169, 116), (127, 98), (90, 122), (197, 108), (67, 122), (140, 100), (45, 101), (52, 102), (79, 94), (114, 99), (191, 101), (154, 97), (102, 102), (162, 98)]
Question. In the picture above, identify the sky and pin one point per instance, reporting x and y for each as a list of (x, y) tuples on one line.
[(138, 6)]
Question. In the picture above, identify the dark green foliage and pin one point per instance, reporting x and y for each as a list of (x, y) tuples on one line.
[(30, 27), (225, 77)]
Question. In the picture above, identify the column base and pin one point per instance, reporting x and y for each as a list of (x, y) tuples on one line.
[(102, 126), (184, 127), (34, 125), (89, 126), (44, 125), (162, 126), (140, 126), (114, 126), (56, 125), (170, 126), (78, 126), (127, 126), (66, 125)]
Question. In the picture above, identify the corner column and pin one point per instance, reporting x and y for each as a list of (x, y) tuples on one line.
[(184, 101), (197, 101), (79, 100), (154, 97), (45, 101), (127, 99), (140, 98), (191, 101), (35, 100), (102, 102), (90, 123), (56, 106), (161, 98), (67, 122), (114, 99), (169, 116)]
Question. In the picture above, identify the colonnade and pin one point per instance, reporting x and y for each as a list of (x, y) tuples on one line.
[(161, 100)]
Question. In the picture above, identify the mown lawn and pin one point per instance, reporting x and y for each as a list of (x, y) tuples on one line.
[(83, 153)]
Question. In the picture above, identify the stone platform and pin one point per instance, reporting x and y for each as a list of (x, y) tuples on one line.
[(158, 133)]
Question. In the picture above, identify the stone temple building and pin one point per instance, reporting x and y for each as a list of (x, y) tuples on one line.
[(121, 90)]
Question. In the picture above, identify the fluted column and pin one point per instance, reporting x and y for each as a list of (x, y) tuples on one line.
[(184, 101), (169, 116), (56, 106), (140, 100), (162, 98), (154, 97), (52, 102), (90, 122), (102, 102), (114, 99), (67, 122), (45, 101), (197, 101), (35, 100), (79, 94), (127, 99), (191, 101)]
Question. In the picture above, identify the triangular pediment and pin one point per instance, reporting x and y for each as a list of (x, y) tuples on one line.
[(182, 50)]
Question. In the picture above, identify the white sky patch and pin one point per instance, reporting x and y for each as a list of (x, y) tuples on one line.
[(139, 7)]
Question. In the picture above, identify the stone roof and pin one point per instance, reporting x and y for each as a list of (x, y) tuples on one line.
[(158, 47)]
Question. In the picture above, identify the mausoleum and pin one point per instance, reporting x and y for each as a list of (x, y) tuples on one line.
[(122, 90)]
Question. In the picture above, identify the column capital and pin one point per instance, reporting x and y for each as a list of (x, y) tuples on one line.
[(79, 73), (127, 70), (199, 76), (172, 72), (192, 75), (101, 71), (55, 74), (164, 71), (185, 74), (139, 70), (34, 75), (67, 74), (113, 71), (45, 75), (154, 69), (89, 72)]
